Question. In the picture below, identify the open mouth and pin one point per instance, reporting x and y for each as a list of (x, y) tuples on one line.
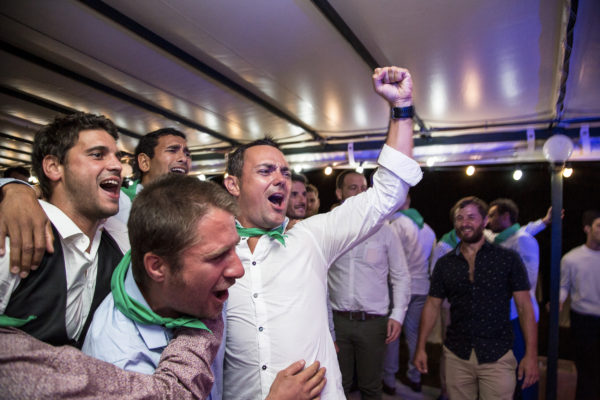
[(276, 198), (221, 295), (111, 185), (179, 170)]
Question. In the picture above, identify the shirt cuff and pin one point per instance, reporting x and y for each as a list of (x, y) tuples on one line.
[(400, 164)]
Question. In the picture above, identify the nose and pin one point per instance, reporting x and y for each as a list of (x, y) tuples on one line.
[(235, 269), (114, 164)]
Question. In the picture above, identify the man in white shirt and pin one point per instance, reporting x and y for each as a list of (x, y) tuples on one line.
[(358, 291), (417, 239), (75, 158), (276, 312), (580, 278)]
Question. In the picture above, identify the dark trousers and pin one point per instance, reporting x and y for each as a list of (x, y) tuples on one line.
[(585, 333), (530, 393), (361, 343)]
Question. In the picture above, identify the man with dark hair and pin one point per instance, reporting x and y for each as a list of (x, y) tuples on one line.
[(479, 278), (312, 200), (297, 203), (358, 291), (580, 278), (182, 262), (20, 173), (75, 160), (506, 232), (158, 153), (276, 312)]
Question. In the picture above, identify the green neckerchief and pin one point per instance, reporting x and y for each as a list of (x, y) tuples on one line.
[(6, 321), (415, 216), (131, 191), (450, 238), (276, 233), (505, 234), (136, 311)]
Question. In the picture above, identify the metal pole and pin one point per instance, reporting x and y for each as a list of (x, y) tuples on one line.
[(556, 250)]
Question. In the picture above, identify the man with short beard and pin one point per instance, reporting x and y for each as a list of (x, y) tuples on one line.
[(75, 159), (312, 200), (297, 203), (479, 278)]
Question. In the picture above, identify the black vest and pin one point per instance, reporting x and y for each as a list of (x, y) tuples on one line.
[(44, 293)]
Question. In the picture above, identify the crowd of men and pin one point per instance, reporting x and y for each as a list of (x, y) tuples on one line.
[(177, 288)]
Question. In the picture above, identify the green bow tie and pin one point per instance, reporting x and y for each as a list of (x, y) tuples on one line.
[(136, 311), (276, 233), (505, 234)]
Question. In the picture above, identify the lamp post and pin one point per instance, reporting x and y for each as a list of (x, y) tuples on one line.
[(557, 150)]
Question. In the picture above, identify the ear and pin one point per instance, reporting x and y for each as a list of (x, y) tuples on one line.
[(143, 162), (587, 229), (232, 184), (155, 266), (52, 167), (338, 194)]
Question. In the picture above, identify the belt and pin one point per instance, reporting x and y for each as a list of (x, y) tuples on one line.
[(357, 315)]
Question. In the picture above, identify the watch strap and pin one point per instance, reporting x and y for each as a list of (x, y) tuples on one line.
[(402, 112)]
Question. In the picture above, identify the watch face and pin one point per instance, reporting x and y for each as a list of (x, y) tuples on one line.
[(402, 112)]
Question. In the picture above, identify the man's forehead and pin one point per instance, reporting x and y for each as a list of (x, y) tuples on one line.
[(92, 137), (168, 140), (263, 154), (354, 178)]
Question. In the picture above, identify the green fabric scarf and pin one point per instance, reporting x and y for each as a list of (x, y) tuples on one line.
[(131, 190), (505, 234), (450, 238), (415, 216), (276, 233), (6, 321), (135, 311)]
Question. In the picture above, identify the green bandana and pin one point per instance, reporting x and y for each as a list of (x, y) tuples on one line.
[(276, 233), (450, 238), (131, 191), (415, 216), (135, 311), (6, 321), (505, 234)]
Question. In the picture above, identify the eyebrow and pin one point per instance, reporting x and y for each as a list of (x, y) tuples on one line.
[(221, 250), (101, 148)]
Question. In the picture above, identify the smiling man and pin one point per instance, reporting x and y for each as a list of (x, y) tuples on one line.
[(158, 153), (478, 279), (75, 159), (181, 265), (297, 203), (277, 311)]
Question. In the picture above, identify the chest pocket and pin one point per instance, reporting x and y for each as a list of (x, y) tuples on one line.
[(374, 252)]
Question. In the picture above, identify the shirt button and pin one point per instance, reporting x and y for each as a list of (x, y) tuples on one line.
[(255, 295), (264, 367), (260, 329), (253, 262)]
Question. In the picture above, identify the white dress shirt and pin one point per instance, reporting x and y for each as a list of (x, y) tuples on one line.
[(277, 311), (358, 279), (125, 205), (525, 244), (580, 276), (80, 266), (418, 247)]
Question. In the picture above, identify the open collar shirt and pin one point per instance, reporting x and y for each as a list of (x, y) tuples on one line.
[(479, 310), (418, 247), (80, 267), (277, 312), (358, 279)]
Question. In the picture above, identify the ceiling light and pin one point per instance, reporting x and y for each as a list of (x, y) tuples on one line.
[(517, 175), (202, 177), (470, 170), (297, 168), (328, 170), (567, 172)]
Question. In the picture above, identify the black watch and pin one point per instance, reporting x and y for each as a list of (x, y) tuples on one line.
[(402, 112)]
